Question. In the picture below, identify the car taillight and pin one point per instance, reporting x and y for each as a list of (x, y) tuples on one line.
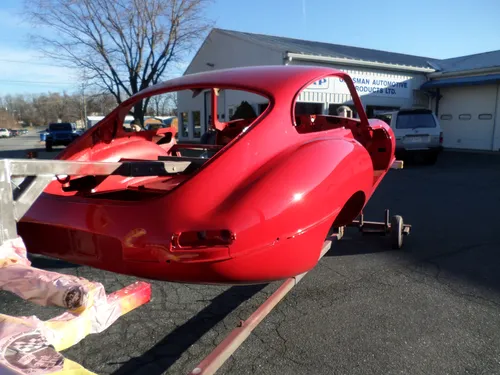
[(441, 138), (199, 239)]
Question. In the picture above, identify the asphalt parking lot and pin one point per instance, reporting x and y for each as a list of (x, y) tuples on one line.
[(431, 308)]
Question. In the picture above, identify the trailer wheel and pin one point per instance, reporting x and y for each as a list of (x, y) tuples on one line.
[(48, 146), (397, 232)]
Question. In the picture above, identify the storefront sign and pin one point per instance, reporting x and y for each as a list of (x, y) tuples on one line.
[(366, 83), (322, 84)]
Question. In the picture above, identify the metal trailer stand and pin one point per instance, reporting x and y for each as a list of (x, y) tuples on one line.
[(392, 226), (237, 336), (232, 342), (27, 344), (34, 175)]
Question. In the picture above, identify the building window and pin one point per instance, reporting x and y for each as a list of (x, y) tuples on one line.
[(196, 124), (372, 111), (387, 118), (485, 116), (184, 124), (446, 117), (464, 117), (334, 108)]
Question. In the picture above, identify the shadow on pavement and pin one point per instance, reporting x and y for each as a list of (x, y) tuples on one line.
[(453, 207), (46, 263), (166, 352), (452, 159), (23, 154), (354, 243)]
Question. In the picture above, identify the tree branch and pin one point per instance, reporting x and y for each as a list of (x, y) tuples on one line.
[(124, 45)]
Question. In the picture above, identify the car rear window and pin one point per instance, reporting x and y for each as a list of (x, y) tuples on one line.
[(61, 126), (415, 120)]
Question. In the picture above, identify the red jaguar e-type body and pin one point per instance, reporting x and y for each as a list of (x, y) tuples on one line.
[(258, 210)]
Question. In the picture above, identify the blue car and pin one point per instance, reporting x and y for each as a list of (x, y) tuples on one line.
[(60, 134)]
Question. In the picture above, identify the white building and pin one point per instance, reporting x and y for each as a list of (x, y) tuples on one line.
[(467, 100), (467, 92)]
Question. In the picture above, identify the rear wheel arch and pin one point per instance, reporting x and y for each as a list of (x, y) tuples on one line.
[(351, 209)]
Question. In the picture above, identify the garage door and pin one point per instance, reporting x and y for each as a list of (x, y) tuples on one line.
[(467, 116)]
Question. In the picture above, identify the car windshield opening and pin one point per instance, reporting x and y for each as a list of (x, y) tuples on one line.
[(188, 112)]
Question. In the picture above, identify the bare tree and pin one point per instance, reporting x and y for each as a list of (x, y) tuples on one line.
[(163, 105), (101, 103), (172, 99), (122, 46), (157, 102), (40, 109), (6, 120)]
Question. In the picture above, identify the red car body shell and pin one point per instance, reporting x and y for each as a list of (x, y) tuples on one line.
[(278, 187)]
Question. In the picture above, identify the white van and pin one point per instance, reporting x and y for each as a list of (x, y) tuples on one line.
[(417, 131), (4, 133)]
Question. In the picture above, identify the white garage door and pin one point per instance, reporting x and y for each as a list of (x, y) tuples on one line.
[(467, 116)]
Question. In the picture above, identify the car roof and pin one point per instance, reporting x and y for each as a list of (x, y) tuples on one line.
[(61, 123), (407, 111), (415, 111), (273, 79)]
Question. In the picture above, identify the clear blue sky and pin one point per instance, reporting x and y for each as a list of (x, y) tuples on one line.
[(438, 29)]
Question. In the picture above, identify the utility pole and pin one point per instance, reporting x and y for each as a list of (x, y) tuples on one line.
[(84, 107), (84, 99)]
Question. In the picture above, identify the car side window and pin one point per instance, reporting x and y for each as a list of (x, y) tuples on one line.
[(385, 118)]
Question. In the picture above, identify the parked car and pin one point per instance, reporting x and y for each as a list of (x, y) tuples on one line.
[(15, 132), (60, 133), (417, 131), (4, 133)]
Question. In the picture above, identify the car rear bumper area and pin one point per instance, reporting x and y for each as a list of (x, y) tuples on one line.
[(136, 255), (131, 255), (154, 239), (400, 150), (59, 142), (87, 247)]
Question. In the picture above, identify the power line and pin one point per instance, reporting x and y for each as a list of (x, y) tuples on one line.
[(35, 63), (39, 82)]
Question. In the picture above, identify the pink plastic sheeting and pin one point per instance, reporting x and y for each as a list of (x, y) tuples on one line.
[(25, 349), (13, 252), (29, 345), (42, 287)]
